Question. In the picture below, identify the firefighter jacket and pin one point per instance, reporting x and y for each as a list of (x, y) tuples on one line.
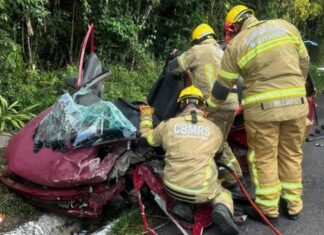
[(190, 142), (203, 61), (273, 60)]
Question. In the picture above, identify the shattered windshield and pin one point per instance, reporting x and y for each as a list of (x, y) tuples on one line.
[(72, 125)]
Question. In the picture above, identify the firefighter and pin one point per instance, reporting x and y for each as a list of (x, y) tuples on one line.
[(271, 57), (190, 142), (203, 61)]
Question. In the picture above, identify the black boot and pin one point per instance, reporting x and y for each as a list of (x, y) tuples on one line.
[(236, 191), (253, 214), (223, 219), (284, 207), (184, 211), (294, 216)]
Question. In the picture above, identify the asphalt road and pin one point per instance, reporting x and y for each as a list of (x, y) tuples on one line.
[(312, 217)]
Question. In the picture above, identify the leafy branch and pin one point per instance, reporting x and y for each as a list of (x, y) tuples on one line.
[(10, 117)]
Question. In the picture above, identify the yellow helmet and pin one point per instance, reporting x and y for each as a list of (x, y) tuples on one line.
[(191, 95), (236, 14), (201, 31)]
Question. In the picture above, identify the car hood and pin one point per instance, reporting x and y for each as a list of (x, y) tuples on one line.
[(53, 168)]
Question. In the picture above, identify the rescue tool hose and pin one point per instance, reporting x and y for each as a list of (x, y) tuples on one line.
[(246, 194)]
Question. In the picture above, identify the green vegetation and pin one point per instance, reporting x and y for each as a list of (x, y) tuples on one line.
[(10, 117), (318, 77), (130, 221), (129, 84), (40, 40), (13, 206), (40, 44)]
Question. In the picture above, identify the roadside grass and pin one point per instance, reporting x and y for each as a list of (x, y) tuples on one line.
[(16, 211), (130, 221), (318, 77), (12, 205)]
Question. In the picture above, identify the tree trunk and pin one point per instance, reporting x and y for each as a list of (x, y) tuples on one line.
[(259, 5), (72, 34), (30, 32)]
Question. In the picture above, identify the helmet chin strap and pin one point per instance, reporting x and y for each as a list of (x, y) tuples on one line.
[(229, 29)]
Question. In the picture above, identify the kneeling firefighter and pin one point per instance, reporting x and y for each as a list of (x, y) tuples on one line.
[(203, 60), (190, 142)]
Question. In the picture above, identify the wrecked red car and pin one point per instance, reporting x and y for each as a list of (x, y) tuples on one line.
[(79, 154)]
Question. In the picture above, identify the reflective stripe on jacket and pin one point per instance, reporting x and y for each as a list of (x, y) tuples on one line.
[(204, 61), (190, 149), (272, 59)]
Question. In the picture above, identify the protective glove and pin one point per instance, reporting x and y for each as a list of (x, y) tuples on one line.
[(146, 123), (146, 110)]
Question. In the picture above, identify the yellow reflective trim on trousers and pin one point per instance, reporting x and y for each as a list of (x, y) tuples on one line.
[(229, 75), (291, 197), (181, 61), (251, 54), (269, 190), (290, 185), (251, 159), (185, 190), (230, 164), (232, 158), (275, 94), (210, 75), (267, 203)]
